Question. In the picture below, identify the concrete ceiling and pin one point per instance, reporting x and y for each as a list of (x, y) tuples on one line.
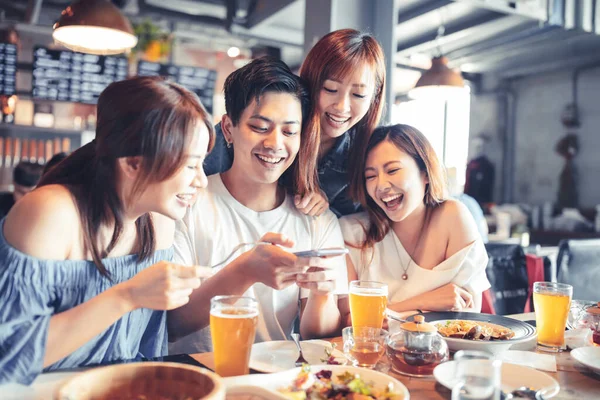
[(497, 37), (491, 37)]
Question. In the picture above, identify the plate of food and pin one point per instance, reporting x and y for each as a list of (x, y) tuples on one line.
[(319, 382), (281, 355), (476, 331), (513, 377)]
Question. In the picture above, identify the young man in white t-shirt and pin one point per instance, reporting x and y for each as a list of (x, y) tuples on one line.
[(274, 158)]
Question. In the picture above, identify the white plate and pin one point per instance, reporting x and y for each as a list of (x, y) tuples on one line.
[(266, 385), (280, 355), (588, 356), (513, 377)]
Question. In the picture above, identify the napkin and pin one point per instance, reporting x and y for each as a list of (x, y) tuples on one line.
[(544, 362)]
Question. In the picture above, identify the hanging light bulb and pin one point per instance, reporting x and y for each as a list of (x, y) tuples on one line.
[(439, 81), (94, 27)]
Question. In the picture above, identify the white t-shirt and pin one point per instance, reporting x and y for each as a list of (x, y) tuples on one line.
[(218, 222), (466, 268)]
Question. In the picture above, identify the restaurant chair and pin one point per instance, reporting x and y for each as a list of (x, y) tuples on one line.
[(535, 273), (507, 273), (487, 302), (578, 265)]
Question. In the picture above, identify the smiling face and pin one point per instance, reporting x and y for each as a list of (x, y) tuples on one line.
[(267, 137), (394, 181), (344, 102), (174, 195)]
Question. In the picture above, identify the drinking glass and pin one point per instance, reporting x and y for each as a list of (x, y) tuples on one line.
[(478, 376), (368, 300), (233, 322), (364, 346), (552, 302)]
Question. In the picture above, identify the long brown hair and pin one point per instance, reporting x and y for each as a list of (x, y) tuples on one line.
[(335, 56), (415, 144), (142, 116)]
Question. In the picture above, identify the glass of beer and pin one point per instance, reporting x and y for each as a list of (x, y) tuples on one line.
[(552, 302), (368, 300), (233, 322)]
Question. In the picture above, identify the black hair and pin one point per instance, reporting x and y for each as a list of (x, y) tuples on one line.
[(27, 174), (58, 157), (263, 75)]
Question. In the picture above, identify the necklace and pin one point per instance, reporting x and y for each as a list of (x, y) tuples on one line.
[(425, 222)]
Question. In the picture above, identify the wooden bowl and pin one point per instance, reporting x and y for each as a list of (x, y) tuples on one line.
[(143, 381)]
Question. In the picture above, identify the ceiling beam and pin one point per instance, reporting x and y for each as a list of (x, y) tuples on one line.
[(421, 9), (547, 51), (265, 9), (528, 39), (470, 36), (10, 8), (147, 9), (33, 11), (525, 10), (450, 29), (556, 65)]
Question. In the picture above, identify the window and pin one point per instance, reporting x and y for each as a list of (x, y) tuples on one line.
[(446, 126)]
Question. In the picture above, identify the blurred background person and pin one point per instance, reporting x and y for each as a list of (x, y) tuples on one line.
[(26, 176), (456, 191), (58, 157)]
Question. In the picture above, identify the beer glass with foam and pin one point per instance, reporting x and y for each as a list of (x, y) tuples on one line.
[(233, 322)]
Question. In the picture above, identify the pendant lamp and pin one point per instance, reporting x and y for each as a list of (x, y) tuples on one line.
[(94, 27), (439, 81)]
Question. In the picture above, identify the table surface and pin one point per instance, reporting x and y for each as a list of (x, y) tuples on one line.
[(576, 381)]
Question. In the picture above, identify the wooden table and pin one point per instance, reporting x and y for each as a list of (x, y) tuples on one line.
[(576, 381)]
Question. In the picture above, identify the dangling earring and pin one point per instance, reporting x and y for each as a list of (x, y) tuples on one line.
[(228, 145)]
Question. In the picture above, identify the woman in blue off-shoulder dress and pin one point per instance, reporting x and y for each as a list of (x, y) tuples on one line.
[(85, 259)]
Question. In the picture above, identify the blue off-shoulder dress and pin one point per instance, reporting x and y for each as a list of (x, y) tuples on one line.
[(33, 290)]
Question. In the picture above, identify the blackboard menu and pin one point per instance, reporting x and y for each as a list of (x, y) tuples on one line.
[(199, 80), (68, 76), (8, 68)]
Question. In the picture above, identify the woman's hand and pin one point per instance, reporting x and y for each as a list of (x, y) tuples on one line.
[(163, 286), (313, 204), (447, 298)]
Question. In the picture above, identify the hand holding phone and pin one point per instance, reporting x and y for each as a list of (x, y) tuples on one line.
[(323, 253)]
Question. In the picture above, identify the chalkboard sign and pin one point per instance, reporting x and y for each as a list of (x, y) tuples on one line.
[(199, 80), (8, 68), (63, 75)]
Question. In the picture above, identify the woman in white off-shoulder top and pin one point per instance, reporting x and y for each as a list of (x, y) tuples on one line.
[(424, 246)]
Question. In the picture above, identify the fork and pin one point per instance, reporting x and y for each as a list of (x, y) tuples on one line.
[(236, 248), (300, 360)]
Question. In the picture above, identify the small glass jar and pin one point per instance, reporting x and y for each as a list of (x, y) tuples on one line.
[(591, 319), (417, 348)]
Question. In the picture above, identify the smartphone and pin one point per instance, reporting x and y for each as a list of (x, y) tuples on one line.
[(330, 252)]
